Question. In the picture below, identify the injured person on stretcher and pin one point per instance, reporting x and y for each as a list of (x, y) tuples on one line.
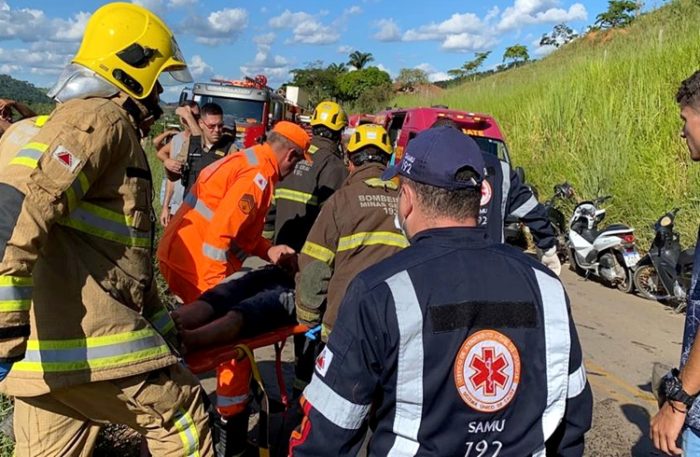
[(258, 302)]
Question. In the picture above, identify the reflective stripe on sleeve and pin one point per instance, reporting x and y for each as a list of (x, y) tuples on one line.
[(250, 156), (216, 254), (318, 252), (29, 155), (77, 191), (505, 190), (577, 382), (237, 251), (524, 209), (409, 373), (223, 401), (100, 352), (188, 433), (340, 411), (15, 293), (107, 224), (356, 240), (199, 206), (162, 321), (296, 196), (557, 350), (41, 120)]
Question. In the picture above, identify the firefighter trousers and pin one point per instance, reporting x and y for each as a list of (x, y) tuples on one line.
[(165, 406)]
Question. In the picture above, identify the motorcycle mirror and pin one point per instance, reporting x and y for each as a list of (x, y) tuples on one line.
[(665, 221)]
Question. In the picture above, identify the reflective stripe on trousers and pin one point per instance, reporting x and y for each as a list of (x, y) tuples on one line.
[(188, 433), (15, 293), (409, 373), (99, 352)]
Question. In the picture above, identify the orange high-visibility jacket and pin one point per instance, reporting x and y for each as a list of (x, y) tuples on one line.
[(220, 222)]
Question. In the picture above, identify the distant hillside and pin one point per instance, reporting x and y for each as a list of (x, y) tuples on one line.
[(21, 91), (600, 113)]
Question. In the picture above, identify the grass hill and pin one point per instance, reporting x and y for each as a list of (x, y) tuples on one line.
[(21, 91), (600, 112)]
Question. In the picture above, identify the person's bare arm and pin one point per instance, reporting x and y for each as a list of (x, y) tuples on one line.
[(160, 140), (185, 113), (165, 212), (23, 110)]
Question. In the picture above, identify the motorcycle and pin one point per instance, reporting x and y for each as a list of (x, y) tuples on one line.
[(562, 191), (665, 273), (610, 254)]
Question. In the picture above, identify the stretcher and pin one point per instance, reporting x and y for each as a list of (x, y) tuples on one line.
[(209, 359)]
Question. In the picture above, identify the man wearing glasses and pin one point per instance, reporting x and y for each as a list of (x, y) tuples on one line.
[(207, 143)]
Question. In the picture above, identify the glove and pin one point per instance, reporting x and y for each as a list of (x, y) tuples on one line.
[(5, 369), (550, 259)]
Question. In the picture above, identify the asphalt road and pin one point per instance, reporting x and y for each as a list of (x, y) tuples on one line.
[(622, 337)]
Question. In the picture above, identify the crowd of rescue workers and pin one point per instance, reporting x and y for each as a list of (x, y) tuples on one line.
[(417, 330)]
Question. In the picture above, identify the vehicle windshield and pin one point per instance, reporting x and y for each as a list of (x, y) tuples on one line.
[(491, 146), (240, 109)]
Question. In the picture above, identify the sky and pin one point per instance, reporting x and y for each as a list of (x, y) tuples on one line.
[(231, 38)]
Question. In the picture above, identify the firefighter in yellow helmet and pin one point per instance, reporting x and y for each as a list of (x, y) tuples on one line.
[(84, 339), (354, 230)]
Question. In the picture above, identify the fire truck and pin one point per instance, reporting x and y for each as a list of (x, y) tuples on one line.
[(250, 103)]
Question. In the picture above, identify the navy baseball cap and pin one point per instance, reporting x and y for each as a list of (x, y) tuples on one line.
[(435, 156)]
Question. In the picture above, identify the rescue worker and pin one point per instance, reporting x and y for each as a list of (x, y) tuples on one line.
[(82, 331), (221, 220), (354, 230), (457, 345), (173, 190), (300, 196), (207, 144), (503, 195), (6, 108)]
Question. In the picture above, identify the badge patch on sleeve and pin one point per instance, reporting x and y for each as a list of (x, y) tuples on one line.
[(66, 158), (487, 371), (246, 203), (323, 361), (260, 181)]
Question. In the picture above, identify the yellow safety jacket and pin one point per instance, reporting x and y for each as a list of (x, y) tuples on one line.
[(77, 298)]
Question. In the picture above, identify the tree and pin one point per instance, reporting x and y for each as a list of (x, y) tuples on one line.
[(318, 81), (470, 67), (359, 59), (410, 78), (337, 68), (561, 34), (517, 54), (620, 13), (354, 83)]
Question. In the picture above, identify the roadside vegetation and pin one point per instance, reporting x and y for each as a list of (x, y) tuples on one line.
[(600, 112)]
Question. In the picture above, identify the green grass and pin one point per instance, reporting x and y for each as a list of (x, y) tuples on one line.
[(600, 113)]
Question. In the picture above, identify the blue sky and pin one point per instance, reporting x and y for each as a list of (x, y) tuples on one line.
[(231, 38)]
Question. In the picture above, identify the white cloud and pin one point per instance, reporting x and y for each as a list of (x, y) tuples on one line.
[(32, 25), (433, 73), (275, 67), (306, 29), (467, 42), (8, 69), (181, 3), (353, 10), (388, 30), (383, 68), (199, 68), (527, 12), (345, 49), (456, 24), (492, 14), (219, 27), (157, 6)]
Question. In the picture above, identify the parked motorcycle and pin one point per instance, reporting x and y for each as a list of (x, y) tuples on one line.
[(665, 273), (610, 254), (562, 191)]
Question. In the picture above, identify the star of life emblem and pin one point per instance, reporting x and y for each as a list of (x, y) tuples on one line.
[(487, 371)]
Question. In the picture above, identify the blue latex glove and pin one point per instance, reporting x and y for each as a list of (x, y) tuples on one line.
[(313, 333), (4, 369)]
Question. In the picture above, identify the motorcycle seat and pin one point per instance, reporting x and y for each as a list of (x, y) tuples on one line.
[(615, 227)]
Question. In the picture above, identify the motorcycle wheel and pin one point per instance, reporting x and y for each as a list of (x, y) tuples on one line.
[(647, 282), (626, 286), (573, 264)]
